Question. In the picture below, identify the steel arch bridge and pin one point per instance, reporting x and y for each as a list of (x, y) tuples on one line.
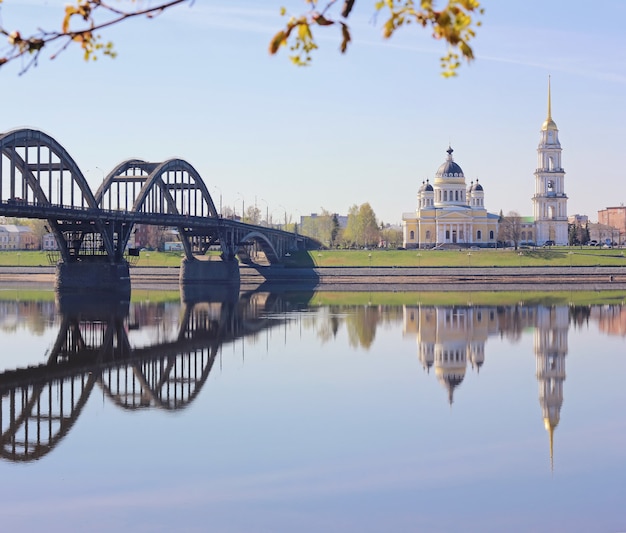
[(39, 179), (39, 405)]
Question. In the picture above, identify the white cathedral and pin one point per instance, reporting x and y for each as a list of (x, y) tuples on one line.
[(450, 213)]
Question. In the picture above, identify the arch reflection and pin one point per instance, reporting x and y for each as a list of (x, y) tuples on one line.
[(139, 357)]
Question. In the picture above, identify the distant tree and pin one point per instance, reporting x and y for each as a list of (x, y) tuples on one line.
[(353, 231), (572, 238), (369, 226), (362, 228), (253, 215), (391, 236), (511, 228), (319, 226), (335, 229)]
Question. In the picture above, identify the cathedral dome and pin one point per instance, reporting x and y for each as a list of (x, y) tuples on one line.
[(478, 186), (450, 169), (428, 187)]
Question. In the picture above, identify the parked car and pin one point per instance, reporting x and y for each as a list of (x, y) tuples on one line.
[(548, 243)]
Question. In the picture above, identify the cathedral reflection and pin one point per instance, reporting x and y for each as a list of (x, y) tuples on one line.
[(452, 339)]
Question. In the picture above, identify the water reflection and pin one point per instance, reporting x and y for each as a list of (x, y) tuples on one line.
[(159, 355), (165, 369)]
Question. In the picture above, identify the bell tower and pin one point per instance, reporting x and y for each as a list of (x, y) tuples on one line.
[(550, 200)]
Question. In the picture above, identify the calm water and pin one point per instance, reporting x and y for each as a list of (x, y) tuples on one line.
[(267, 412)]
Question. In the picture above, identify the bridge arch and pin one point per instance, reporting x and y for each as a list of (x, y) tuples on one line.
[(266, 245), (35, 169)]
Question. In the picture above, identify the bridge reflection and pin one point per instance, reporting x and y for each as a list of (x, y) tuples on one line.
[(93, 350)]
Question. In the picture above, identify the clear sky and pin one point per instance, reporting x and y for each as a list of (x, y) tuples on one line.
[(369, 126)]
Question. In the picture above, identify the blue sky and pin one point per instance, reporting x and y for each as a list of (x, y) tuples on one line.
[(369, 126)]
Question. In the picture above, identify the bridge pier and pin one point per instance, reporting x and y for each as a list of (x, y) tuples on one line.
[(193, 271), (83, 276)]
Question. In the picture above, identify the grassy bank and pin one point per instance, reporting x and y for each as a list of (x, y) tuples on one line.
[(555, 256), (530, 298)]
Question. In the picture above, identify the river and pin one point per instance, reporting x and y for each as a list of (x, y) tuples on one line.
[(309, 411)]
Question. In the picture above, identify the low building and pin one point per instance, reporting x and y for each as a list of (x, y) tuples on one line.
[(14, 237), (49, 242), (614, 217)]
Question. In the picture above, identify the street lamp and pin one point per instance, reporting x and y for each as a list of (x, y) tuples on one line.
[(243, 206), (419, 259), (469, 258), (220, 191), (267, 212), (285, 210), (370, 257)]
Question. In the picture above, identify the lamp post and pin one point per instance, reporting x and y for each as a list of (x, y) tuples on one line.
[(469, 259), (419, 259), (220, 191), (285, 210), (370, 258), (267, 212), (243, 206)]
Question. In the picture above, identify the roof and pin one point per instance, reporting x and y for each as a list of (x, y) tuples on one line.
[(12, 228), (450, 169)]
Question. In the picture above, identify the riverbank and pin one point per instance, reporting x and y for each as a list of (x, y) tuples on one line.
[(385, 279)]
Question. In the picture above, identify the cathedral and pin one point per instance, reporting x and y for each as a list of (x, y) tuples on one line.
[(450, 213)]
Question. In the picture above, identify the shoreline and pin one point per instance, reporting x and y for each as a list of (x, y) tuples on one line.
[(394, 279)]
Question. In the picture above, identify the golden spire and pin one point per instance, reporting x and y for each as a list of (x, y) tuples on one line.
[(549, 100), (550, 428), (549, 124)]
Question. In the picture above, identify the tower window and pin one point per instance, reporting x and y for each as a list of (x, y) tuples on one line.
[(412, 235), (491, 235), (479, 235)]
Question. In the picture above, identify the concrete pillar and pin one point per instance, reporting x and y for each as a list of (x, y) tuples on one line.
[(84, 276), (195, 271)]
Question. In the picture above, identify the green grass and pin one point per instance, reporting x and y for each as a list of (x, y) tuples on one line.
[(321, 298), (529, 298), (556, 256)]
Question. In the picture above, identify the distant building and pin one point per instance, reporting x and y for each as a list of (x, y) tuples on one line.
[(13, 237), (615, 217), (449, 212), (49, 242), (550, 200), (603, 233), (578, 220)]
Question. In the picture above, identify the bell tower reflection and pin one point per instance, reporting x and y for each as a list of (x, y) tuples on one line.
[(550, 352), (448, 338)]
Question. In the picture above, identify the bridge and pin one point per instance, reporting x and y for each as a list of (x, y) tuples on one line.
[(95, 350), (39, 179)]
